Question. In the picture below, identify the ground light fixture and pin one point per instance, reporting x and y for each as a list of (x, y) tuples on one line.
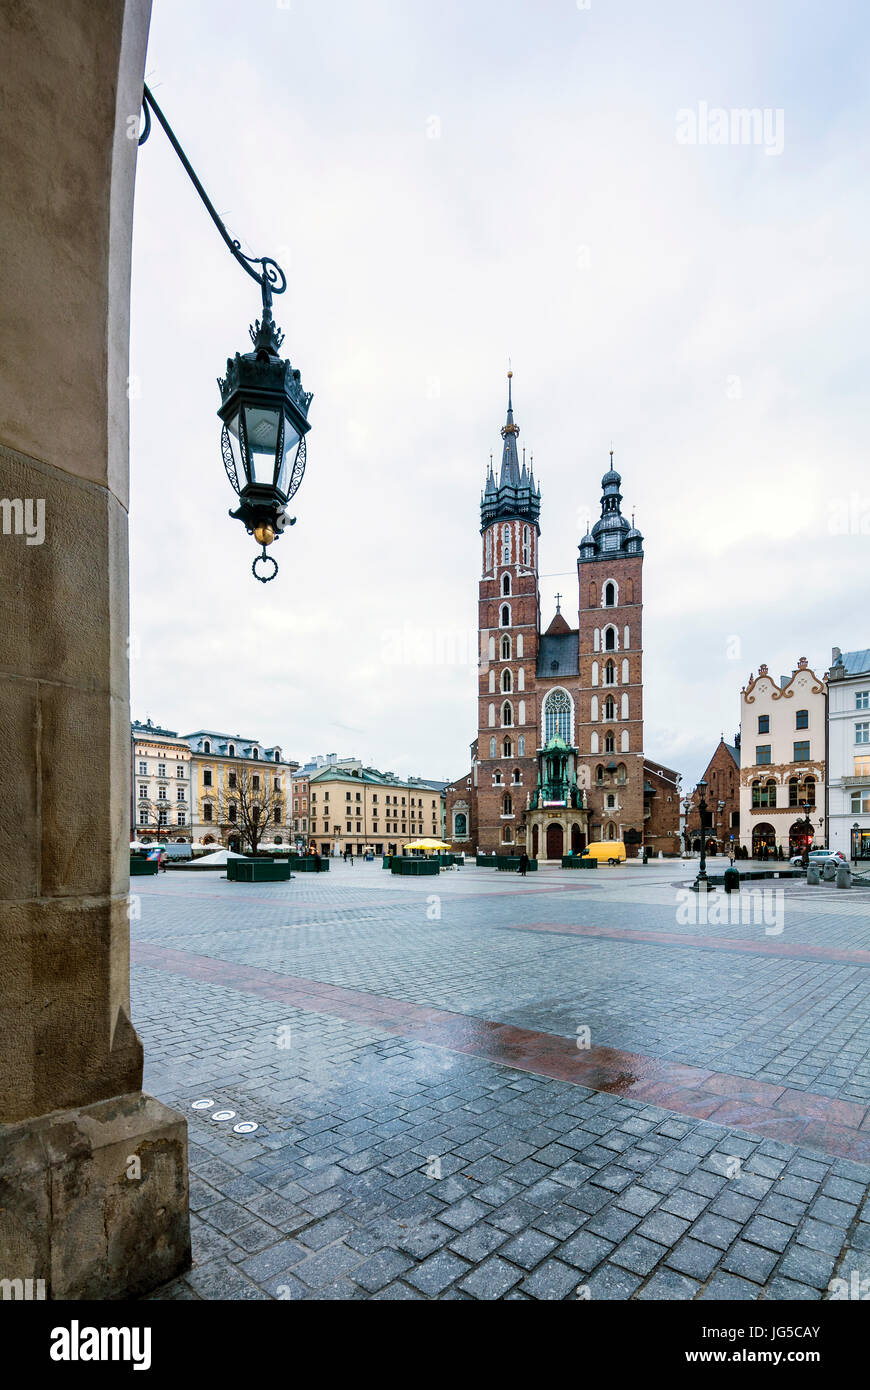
[(264, 409)]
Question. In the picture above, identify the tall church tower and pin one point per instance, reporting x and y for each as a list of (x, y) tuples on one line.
[(610, 695), (509, 624)]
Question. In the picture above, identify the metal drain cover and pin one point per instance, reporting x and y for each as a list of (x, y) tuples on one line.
[(202, 1105), (246, 1127), (224, 1115)]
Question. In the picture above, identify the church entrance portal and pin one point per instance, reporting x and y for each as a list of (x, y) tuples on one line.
[(555, 841)]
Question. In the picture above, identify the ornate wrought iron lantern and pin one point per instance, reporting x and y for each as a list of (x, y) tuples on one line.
[(263, 406), (265, 419)]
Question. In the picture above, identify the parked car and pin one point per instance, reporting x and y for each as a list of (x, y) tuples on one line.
[(820, 857), (606, 851)]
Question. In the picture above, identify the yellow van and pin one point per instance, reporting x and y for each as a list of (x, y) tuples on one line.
[(606, 851)]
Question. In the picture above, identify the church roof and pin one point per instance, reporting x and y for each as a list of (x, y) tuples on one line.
[(558, 653), (558, 625)]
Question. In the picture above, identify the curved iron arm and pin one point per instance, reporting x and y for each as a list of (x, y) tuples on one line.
[(270, 277)]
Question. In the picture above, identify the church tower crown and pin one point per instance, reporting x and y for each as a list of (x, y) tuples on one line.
[(516, 494), (611, 535)]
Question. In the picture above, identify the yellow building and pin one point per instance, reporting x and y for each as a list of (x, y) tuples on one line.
[(226, 768), (359, 808)]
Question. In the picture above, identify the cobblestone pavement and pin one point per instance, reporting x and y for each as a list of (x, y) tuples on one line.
[(429, 1126)]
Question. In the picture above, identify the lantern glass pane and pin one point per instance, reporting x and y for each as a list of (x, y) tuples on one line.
[(291, 440), (261, 424), (233, 431)]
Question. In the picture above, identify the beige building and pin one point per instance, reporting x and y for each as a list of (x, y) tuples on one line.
[(782, 761), (358, 808), (223, 768), (161, 799), (300, 808)]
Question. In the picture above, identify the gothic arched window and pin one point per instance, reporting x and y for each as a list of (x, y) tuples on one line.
[(505, 615), (610, 594), (610, 674), (505, 648), (492, 747), (610, 639), (527, 545), (558, 711), (609, 708), (507, 748), (507, 682), (507, 714), (488, 551), (505, 583), (507, 805), (609, 743), (521, 745), (505, 545)]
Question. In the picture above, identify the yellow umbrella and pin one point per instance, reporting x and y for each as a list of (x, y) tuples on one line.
[(430, 845)]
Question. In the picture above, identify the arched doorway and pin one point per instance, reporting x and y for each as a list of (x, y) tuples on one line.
[(534, 842), (798, 839), (763, 841), (555, 840), (578, 840)]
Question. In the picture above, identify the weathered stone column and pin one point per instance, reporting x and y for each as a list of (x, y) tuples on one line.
[(93, 1174)]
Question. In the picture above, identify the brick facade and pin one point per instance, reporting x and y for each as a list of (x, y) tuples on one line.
[(581, 686), (723, 784)]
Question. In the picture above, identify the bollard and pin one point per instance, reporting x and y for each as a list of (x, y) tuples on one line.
[(732, 880), (813, 873), (829, 872), (844, 876)]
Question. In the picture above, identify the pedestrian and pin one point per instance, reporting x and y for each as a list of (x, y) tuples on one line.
[(524, 864), (161, 860)]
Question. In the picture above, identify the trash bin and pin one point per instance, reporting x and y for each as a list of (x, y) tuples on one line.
[(731, 880)]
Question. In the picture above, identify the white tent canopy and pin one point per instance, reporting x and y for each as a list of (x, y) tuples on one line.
[(214, 861)]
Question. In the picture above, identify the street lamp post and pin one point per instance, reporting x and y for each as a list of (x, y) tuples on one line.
[(855, 828), (808, 833), (701, 880), (263, 408)]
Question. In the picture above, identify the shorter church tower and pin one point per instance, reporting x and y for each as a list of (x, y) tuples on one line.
[(610, 712), (508, 626)]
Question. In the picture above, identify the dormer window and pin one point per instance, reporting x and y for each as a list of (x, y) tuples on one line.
[(232, 750), (206, 746)]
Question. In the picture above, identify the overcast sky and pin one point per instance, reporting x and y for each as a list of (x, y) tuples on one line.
[(448, 186)]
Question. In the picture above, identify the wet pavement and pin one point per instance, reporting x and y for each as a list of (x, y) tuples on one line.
[(482, 1087)]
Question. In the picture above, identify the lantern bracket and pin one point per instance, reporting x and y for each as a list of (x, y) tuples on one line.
[(270, 277)]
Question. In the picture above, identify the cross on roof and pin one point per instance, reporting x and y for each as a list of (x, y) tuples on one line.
[(558, 603)]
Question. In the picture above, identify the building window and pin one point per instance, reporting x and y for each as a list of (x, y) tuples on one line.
[(862, 767), (181, 818), (206, 811), (620, 774), (143, 768), (802, 752), (179, 771), (862, 699), (505, 545), (809, 791), (507, 714), (506, 584), (206, 777), (558, 711), (507, 748), (231, 781), (793, 791), (609, 743), (232, 750), (506, 682), (143, 817), (862, 733), (764, 794), (492, 752), (762, 753), (505, 615), (610, 639), (609, 709), (206, 746), (163, 818), (527, 545), (505, 648), (161, 769), (521, 745), (143, 793), (802, 719), (764, 723), (180, 793), (255, 782), (515, 777), (231, 811), (507, 805), (610, 595), (860, 803), (161, 794)]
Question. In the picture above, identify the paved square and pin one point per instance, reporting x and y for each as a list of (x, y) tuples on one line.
[(476, 1086)]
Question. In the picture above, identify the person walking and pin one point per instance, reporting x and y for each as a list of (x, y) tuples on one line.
[(524, 864)]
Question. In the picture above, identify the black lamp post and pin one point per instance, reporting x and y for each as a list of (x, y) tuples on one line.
[(263, 406), (808, 833), (855, 837), (702, 812)]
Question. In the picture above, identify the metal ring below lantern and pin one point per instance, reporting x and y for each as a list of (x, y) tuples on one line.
[(270, 560)]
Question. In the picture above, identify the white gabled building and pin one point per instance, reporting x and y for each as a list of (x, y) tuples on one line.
[(782, 761), (849, 753)]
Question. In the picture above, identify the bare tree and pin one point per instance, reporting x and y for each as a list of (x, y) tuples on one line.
[(247, 805)]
